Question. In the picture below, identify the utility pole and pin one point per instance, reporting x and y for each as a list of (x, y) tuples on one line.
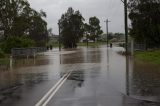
[(126, 44), (126, 24), (107, 21), (59, 37)]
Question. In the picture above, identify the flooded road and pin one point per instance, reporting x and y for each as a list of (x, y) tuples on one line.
[(98, 77)]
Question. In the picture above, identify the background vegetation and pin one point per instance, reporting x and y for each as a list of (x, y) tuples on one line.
[(149, 56), (145, 21), (73, 28), (21, 25)]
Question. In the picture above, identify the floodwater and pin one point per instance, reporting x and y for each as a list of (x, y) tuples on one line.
[(100, 77)]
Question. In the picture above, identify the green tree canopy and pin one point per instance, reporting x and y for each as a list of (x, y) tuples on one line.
[(144, 15), (95, 28), (12, 14), (71, 28), (17, 18), (38, 28)]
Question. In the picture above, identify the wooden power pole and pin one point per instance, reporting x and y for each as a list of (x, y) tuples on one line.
[(59, 37), (107, 21), (126, 25)]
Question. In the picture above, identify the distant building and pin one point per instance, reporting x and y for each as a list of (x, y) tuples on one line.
[(84, 39)]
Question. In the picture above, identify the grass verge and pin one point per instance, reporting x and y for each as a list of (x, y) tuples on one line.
[(4, 61), (148, 56), (91, 44)]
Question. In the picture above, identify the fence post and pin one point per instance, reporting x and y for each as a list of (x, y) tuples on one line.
[(132, 47)]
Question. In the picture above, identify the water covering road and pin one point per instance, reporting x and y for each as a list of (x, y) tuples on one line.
[(99, 77)]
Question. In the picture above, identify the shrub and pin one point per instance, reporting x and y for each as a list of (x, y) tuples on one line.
[(16, 42), (121, 44), (1, 54)]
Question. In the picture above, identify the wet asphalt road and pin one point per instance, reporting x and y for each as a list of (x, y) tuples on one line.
[(99, 77)]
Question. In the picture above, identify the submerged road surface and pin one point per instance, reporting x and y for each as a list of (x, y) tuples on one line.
[(80, 77)]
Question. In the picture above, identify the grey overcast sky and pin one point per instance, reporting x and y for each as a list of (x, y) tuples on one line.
[(103, 9)]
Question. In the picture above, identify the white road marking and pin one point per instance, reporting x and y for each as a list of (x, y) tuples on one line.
[(54, 92), (47, 95)]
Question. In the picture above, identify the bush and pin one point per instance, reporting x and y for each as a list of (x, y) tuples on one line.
[(121, 44), (1, 54), (16, 42)]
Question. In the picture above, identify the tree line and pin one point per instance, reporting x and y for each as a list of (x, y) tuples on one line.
[(22, 26), (72, 28), (145, 22)]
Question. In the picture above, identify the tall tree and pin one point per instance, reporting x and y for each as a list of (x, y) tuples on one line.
[(11, 12), (71, 28), (87, 31), (95, 28), (17, 18), (144, 15), (38, 28)]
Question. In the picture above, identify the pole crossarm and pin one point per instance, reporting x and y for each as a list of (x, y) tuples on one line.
[(127, 4), (107, 21), (122, 1)]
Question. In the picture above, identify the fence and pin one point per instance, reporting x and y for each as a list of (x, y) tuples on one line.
[(27, 52), (139, 47), (136, 47)]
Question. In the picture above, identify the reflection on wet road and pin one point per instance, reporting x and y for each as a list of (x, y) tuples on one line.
[(98, 78)]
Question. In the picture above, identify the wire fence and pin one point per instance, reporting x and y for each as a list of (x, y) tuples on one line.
[(27, 52)]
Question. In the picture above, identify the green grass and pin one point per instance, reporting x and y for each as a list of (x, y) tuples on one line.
[(149, 56), (56, 45), (4, 58), (91, 44), (4, 61)]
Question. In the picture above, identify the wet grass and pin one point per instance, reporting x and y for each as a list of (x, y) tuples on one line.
[(91, 44), (149, 56), (56, 45), (4, 61)]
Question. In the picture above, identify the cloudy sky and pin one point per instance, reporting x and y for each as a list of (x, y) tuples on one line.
[(103, 9)]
